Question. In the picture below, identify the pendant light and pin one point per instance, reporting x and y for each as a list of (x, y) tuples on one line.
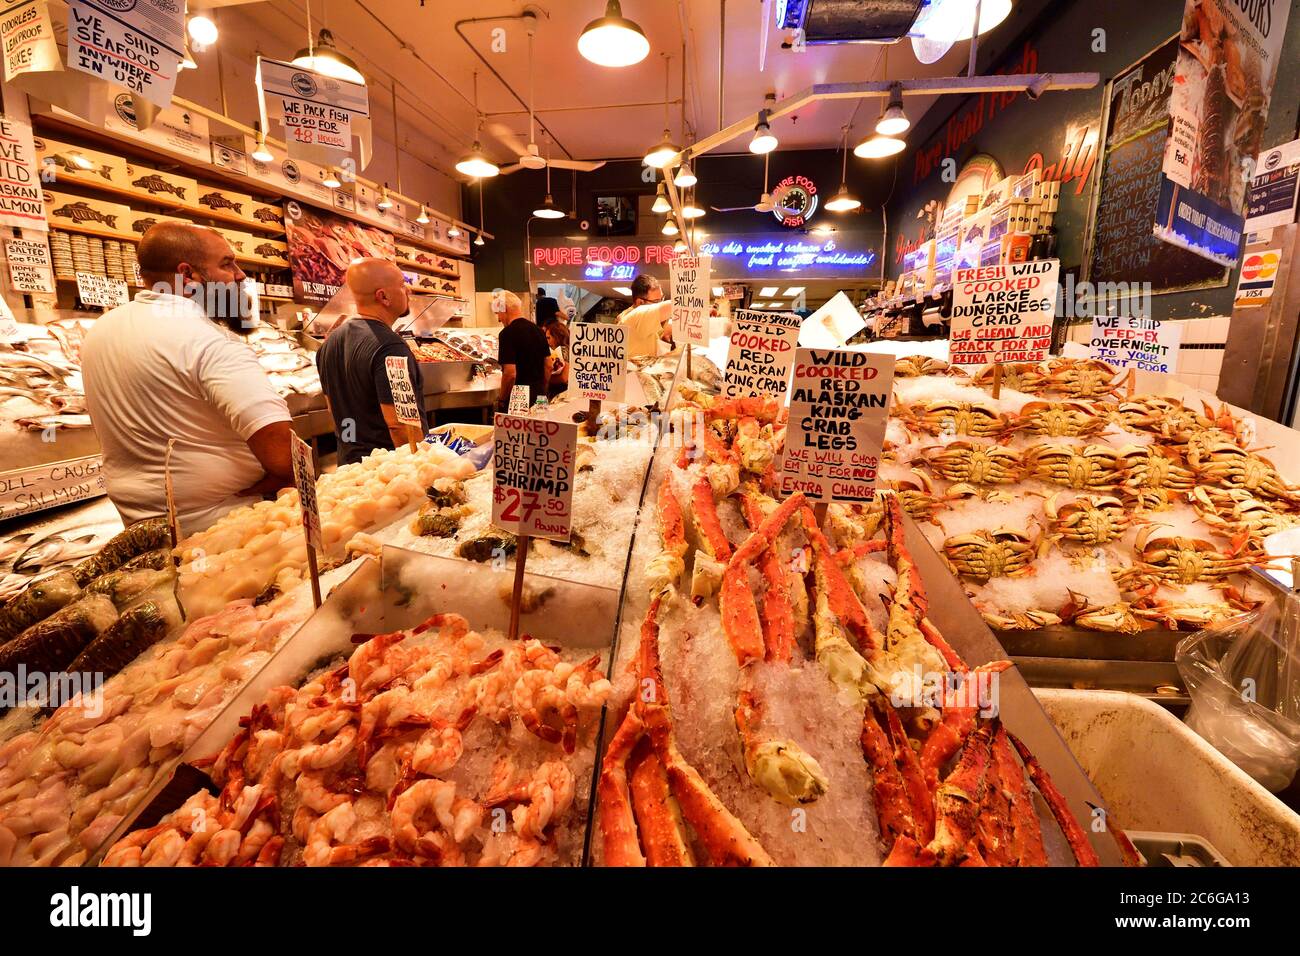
[(894, 122), (879, 147), (613, 40), (476, 165), (202, 29), (478, 240), (662, 152), (261, 152), (991, 13), (324, 57), (423, 217), (453, 231), (764, 141), (385, 201), (331, 180), (670, 228), (662, 205), (548, 209), (679, 247), (843, 200), (685, 177), (187, 61)]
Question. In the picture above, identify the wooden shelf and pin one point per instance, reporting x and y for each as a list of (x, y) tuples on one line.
[(212, 174), (423, 267), (133, 238)]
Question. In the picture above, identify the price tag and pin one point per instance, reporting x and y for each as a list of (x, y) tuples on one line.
[(304, 479), (839, 407), (598, 353), (690, 280), (405, 403), (519, 403), (761, 352), (1003, 313), (95, 289), (30, 269), (533, 472)]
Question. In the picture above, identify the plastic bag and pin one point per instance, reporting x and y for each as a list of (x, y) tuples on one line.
[(1244, 681)]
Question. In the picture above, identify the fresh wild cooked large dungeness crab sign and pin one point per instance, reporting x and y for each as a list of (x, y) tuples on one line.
[(839, 407), (1003, 313)]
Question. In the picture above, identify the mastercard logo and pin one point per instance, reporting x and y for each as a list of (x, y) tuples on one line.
[(1259, 266)]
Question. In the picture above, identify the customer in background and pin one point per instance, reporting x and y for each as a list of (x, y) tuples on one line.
[(556, 331), (522, 352), (169, 365), (353, 373), (544, 303), (649, 318)]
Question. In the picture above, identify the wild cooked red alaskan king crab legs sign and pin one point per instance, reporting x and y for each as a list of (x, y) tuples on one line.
[(839, 408), (1003, 313), (533, 472)]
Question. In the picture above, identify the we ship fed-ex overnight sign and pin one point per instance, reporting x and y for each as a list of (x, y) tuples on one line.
[(738, 257)]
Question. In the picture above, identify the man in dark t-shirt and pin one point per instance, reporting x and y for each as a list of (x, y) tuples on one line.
[(351, 363), (523, 353)]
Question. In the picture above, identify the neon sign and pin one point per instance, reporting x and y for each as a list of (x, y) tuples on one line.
[(795, 199)]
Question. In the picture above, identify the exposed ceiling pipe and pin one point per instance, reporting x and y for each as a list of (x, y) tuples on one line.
[(500, 79), (762, 43), (722, 54), (657, 104)]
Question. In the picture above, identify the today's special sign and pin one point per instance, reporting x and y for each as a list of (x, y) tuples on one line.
[(760, 353)]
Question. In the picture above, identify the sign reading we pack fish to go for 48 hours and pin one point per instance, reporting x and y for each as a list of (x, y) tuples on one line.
[(760, 354), (532, 475), (599, 355), (839, 407), (1003, 313)]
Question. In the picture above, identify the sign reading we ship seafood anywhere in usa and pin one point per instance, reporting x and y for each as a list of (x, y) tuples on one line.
[(30, 269), (689, 278), (136, 45), (405, 404), (761, 352), (599, 355), (1128, 341), (839, 407), (1003, 313), (532, 475)]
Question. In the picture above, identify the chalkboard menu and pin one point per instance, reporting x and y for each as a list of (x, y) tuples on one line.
[(1122, 247)]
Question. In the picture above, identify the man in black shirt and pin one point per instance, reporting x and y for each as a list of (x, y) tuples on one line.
[(351, 362), (523, 353)]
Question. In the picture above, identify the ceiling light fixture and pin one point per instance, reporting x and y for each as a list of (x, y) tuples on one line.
[(187, 61), (324, 57), (452, 231), (623, 290), (768, 291), (476, 165), (261, 152), (331, 180), (661, 204), (679, 247), (670, 228), (719, 290), (794, 290), (894, 122), (662, 152), (843, 200), (878, 147), (692, 211), (385, 201), (992, 12), (478, 240), (685, 177), (202, 30), (613, 40), (423, 217), (548, 210), (764, 141)]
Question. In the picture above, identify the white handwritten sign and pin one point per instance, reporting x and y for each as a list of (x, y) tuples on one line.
[(405, 403), (532, 473), (689, 279), (1003, 313), (21, 203), (28, 37), (839, 407), (95, 289), (1126, 341), (30, 269), (304, 479), (761, 352), (832, 325), (317, 111), (599, 356), (46, 486), (137, 46), (519, 403)]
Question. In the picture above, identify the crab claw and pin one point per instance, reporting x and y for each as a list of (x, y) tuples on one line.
[(787, 772)]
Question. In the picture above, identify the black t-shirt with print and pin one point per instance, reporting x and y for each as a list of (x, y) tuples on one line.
[(523, 345)]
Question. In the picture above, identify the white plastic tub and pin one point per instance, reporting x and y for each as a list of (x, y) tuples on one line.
[(1157, 774)]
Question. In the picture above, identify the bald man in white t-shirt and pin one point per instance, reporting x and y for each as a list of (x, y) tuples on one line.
[(169, 365)]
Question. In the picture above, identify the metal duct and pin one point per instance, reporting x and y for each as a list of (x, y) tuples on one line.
[(858, 21)]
